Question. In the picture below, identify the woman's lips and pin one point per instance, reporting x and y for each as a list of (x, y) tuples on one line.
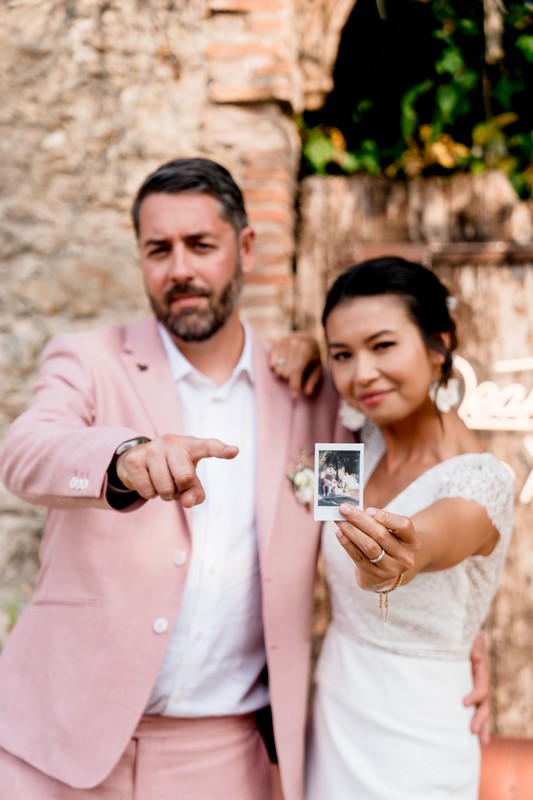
[(371, 399)]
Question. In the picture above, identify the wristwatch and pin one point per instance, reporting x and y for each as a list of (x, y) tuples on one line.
[(113, 481), (128, 444)]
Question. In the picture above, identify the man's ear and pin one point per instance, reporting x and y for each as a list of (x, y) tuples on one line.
[(246, 249)]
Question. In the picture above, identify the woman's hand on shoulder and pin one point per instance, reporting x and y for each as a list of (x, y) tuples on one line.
[(296, 359)]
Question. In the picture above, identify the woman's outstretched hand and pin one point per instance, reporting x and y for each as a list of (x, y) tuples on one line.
[(381, 545)]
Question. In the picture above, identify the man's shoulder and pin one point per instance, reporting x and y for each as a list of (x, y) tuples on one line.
[(104, 336)]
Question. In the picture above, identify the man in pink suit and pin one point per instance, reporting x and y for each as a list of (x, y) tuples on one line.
[(158, 617), (173, 605)]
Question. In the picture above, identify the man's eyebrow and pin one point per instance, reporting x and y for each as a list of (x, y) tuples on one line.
[(189, 237), (201, 235), (148, 242)]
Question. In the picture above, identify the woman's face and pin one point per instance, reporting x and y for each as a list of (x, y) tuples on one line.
[(379, 361)]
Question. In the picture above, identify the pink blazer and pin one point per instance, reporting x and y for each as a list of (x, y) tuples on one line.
[(78, 668)]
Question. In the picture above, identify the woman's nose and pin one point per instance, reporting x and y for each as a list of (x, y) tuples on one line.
[(364, 369)]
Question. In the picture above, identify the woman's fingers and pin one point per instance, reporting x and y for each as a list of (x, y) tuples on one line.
[(296, 359), (380, 544), (400, 526)]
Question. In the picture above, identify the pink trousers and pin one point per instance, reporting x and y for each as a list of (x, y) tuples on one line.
[(167, 759)]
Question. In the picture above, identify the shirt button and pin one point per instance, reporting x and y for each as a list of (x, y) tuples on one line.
[(180, 558), (160, 625)]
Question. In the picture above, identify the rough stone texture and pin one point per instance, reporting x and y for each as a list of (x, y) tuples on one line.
[(347, 219), (97, 93), (319, 27)]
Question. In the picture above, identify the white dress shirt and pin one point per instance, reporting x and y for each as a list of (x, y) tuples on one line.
[(216, 650)]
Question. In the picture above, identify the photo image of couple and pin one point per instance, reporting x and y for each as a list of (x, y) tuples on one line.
[(165, 653), (339, 476)]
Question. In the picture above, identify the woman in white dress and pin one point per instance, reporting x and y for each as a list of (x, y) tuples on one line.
[(388, 717)]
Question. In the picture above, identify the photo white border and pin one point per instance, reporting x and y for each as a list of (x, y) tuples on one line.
[(331, 512)]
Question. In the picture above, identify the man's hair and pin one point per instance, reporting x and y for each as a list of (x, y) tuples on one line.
[(195, 175)]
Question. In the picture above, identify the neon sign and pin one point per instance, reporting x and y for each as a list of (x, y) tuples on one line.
[(489, 407)]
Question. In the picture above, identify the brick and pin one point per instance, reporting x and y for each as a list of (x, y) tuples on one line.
[(262, 174), (249, 93), (246, 5), (232, 51), (264, 26), (268, 280), (266, 195), (261, 214), (222, 93)]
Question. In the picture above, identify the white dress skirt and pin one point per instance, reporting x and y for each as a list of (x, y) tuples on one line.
[(388, 720), (390, 727)]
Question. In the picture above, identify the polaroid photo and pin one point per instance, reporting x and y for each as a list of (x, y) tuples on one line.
[(338, 478)]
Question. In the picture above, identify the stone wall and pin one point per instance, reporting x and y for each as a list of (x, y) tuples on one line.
[(95, 94)]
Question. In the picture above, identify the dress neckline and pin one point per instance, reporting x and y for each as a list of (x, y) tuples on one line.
[(382, 450)]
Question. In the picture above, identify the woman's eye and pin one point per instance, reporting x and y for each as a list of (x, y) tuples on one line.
[(383, 345), (343, 355)]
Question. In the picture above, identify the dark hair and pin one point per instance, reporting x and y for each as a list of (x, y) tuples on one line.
[(426, 298), (195, 175)]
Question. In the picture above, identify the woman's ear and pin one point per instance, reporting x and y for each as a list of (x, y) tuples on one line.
[(442, 343)]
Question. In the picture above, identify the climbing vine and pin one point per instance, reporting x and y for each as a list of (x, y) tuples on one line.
[(427, 87)]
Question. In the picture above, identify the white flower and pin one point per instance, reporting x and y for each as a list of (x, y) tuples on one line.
[(445, 397), (351, 418), (303, 480)]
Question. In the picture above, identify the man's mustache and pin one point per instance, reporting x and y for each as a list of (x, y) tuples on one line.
[(179, 290)]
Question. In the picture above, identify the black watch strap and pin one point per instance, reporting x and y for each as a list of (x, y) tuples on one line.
[(119, 495)]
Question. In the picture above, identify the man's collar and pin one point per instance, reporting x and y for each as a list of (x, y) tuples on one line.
[(181, 367)]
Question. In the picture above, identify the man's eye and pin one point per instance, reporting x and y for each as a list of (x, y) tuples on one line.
[(156, 251)]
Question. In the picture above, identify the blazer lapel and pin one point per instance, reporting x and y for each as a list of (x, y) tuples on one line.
[(147, 364), (274, 407), (150, 374)]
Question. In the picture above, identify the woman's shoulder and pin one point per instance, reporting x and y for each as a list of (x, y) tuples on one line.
[(480, 477), (478, 463)]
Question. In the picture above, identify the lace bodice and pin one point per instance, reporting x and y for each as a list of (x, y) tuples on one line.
[(437, 614)]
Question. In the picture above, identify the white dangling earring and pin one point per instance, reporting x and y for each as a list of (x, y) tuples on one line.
[(351, 418), (445, 397)]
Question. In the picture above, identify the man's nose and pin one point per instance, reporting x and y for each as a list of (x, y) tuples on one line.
[(180, 263)]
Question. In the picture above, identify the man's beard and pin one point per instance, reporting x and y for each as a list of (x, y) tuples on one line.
[(197, 325)]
